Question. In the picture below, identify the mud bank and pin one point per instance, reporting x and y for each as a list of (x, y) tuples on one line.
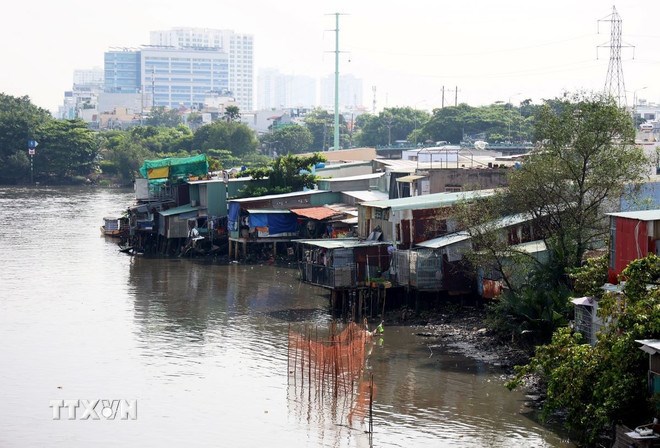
[(463, 329)]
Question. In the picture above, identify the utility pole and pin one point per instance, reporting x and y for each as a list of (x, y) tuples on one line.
[(456, 97), (443, 97), (336, 30), (614, 84), (373, 104)]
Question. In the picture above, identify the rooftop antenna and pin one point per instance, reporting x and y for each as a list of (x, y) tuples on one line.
[(614, 84)]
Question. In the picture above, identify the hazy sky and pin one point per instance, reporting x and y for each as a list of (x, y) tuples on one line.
[(492, 50)]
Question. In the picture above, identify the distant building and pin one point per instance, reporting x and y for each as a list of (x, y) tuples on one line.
[(239, 48), (350, 92), (178, 76), (81, 101), (171, 77), (122, 70), (277, 90)]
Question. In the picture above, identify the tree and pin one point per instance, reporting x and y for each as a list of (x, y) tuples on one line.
[(586, 157), (232, 113), (321, 124), (495, 123), (162, 116), (607, 383), (285, 174), (20, 121), (583, 163), (68, 148), (390, 125), (289, 139), (235, 137)]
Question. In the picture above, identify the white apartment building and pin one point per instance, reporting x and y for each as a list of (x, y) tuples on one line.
[(183, 76), (239, 48), (276, 90)]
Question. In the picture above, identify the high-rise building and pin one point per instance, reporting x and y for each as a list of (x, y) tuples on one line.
[(182, 76), (122, 70), (350, 92), (168, 76), (276, 90), (239, 48)]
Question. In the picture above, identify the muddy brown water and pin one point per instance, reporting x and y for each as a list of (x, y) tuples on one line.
[(202, 347)]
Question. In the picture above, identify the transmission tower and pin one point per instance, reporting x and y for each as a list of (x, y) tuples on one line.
[(614, 84)]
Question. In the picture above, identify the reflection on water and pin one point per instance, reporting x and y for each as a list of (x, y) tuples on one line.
[(202, 347)]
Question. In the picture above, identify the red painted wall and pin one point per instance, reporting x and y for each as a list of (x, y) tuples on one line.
[(631, 243)]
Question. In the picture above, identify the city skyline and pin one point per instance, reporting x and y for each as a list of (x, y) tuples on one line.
[(508, 51)]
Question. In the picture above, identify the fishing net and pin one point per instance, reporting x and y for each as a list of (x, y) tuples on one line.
[(327, 370)]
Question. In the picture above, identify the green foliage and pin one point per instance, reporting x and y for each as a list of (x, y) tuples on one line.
[(162, 139), (289, 139), (604, 384), (536, 307), (225, 158), (390, 125), (164, 117), (589, 278), (321, 124), (285, 174), (232, 113), (235, 137), (20, 121), (68, 148), (496, 122), (125, 154), (587, 156)]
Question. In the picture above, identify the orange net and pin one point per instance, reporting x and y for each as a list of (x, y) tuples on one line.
[(332, 365)]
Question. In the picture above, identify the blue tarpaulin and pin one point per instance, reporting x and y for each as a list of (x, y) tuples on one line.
[(276, 221), (233, 216)]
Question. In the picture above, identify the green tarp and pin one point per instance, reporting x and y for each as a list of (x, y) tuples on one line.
[(175, 167)]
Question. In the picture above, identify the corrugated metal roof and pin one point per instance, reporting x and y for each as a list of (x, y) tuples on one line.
[(179, 210), (270, 211), (501, 223), (210, 181), (430, 200), (315, 212), (339, 243), (586, 301), (350, 178), (642, 215), (409, 178), (343, 208), (445, 240), (650, 346), (367, 195), (531, 247), (278, 196)]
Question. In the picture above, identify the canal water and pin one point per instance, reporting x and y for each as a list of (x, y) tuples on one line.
[(202, 348)]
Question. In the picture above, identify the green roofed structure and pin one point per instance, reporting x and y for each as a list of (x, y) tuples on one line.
[(175, 167)]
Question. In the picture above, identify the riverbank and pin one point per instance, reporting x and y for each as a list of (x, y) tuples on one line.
[(463, 328)]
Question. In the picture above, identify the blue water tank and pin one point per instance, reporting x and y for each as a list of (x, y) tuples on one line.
[(319, 165)]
